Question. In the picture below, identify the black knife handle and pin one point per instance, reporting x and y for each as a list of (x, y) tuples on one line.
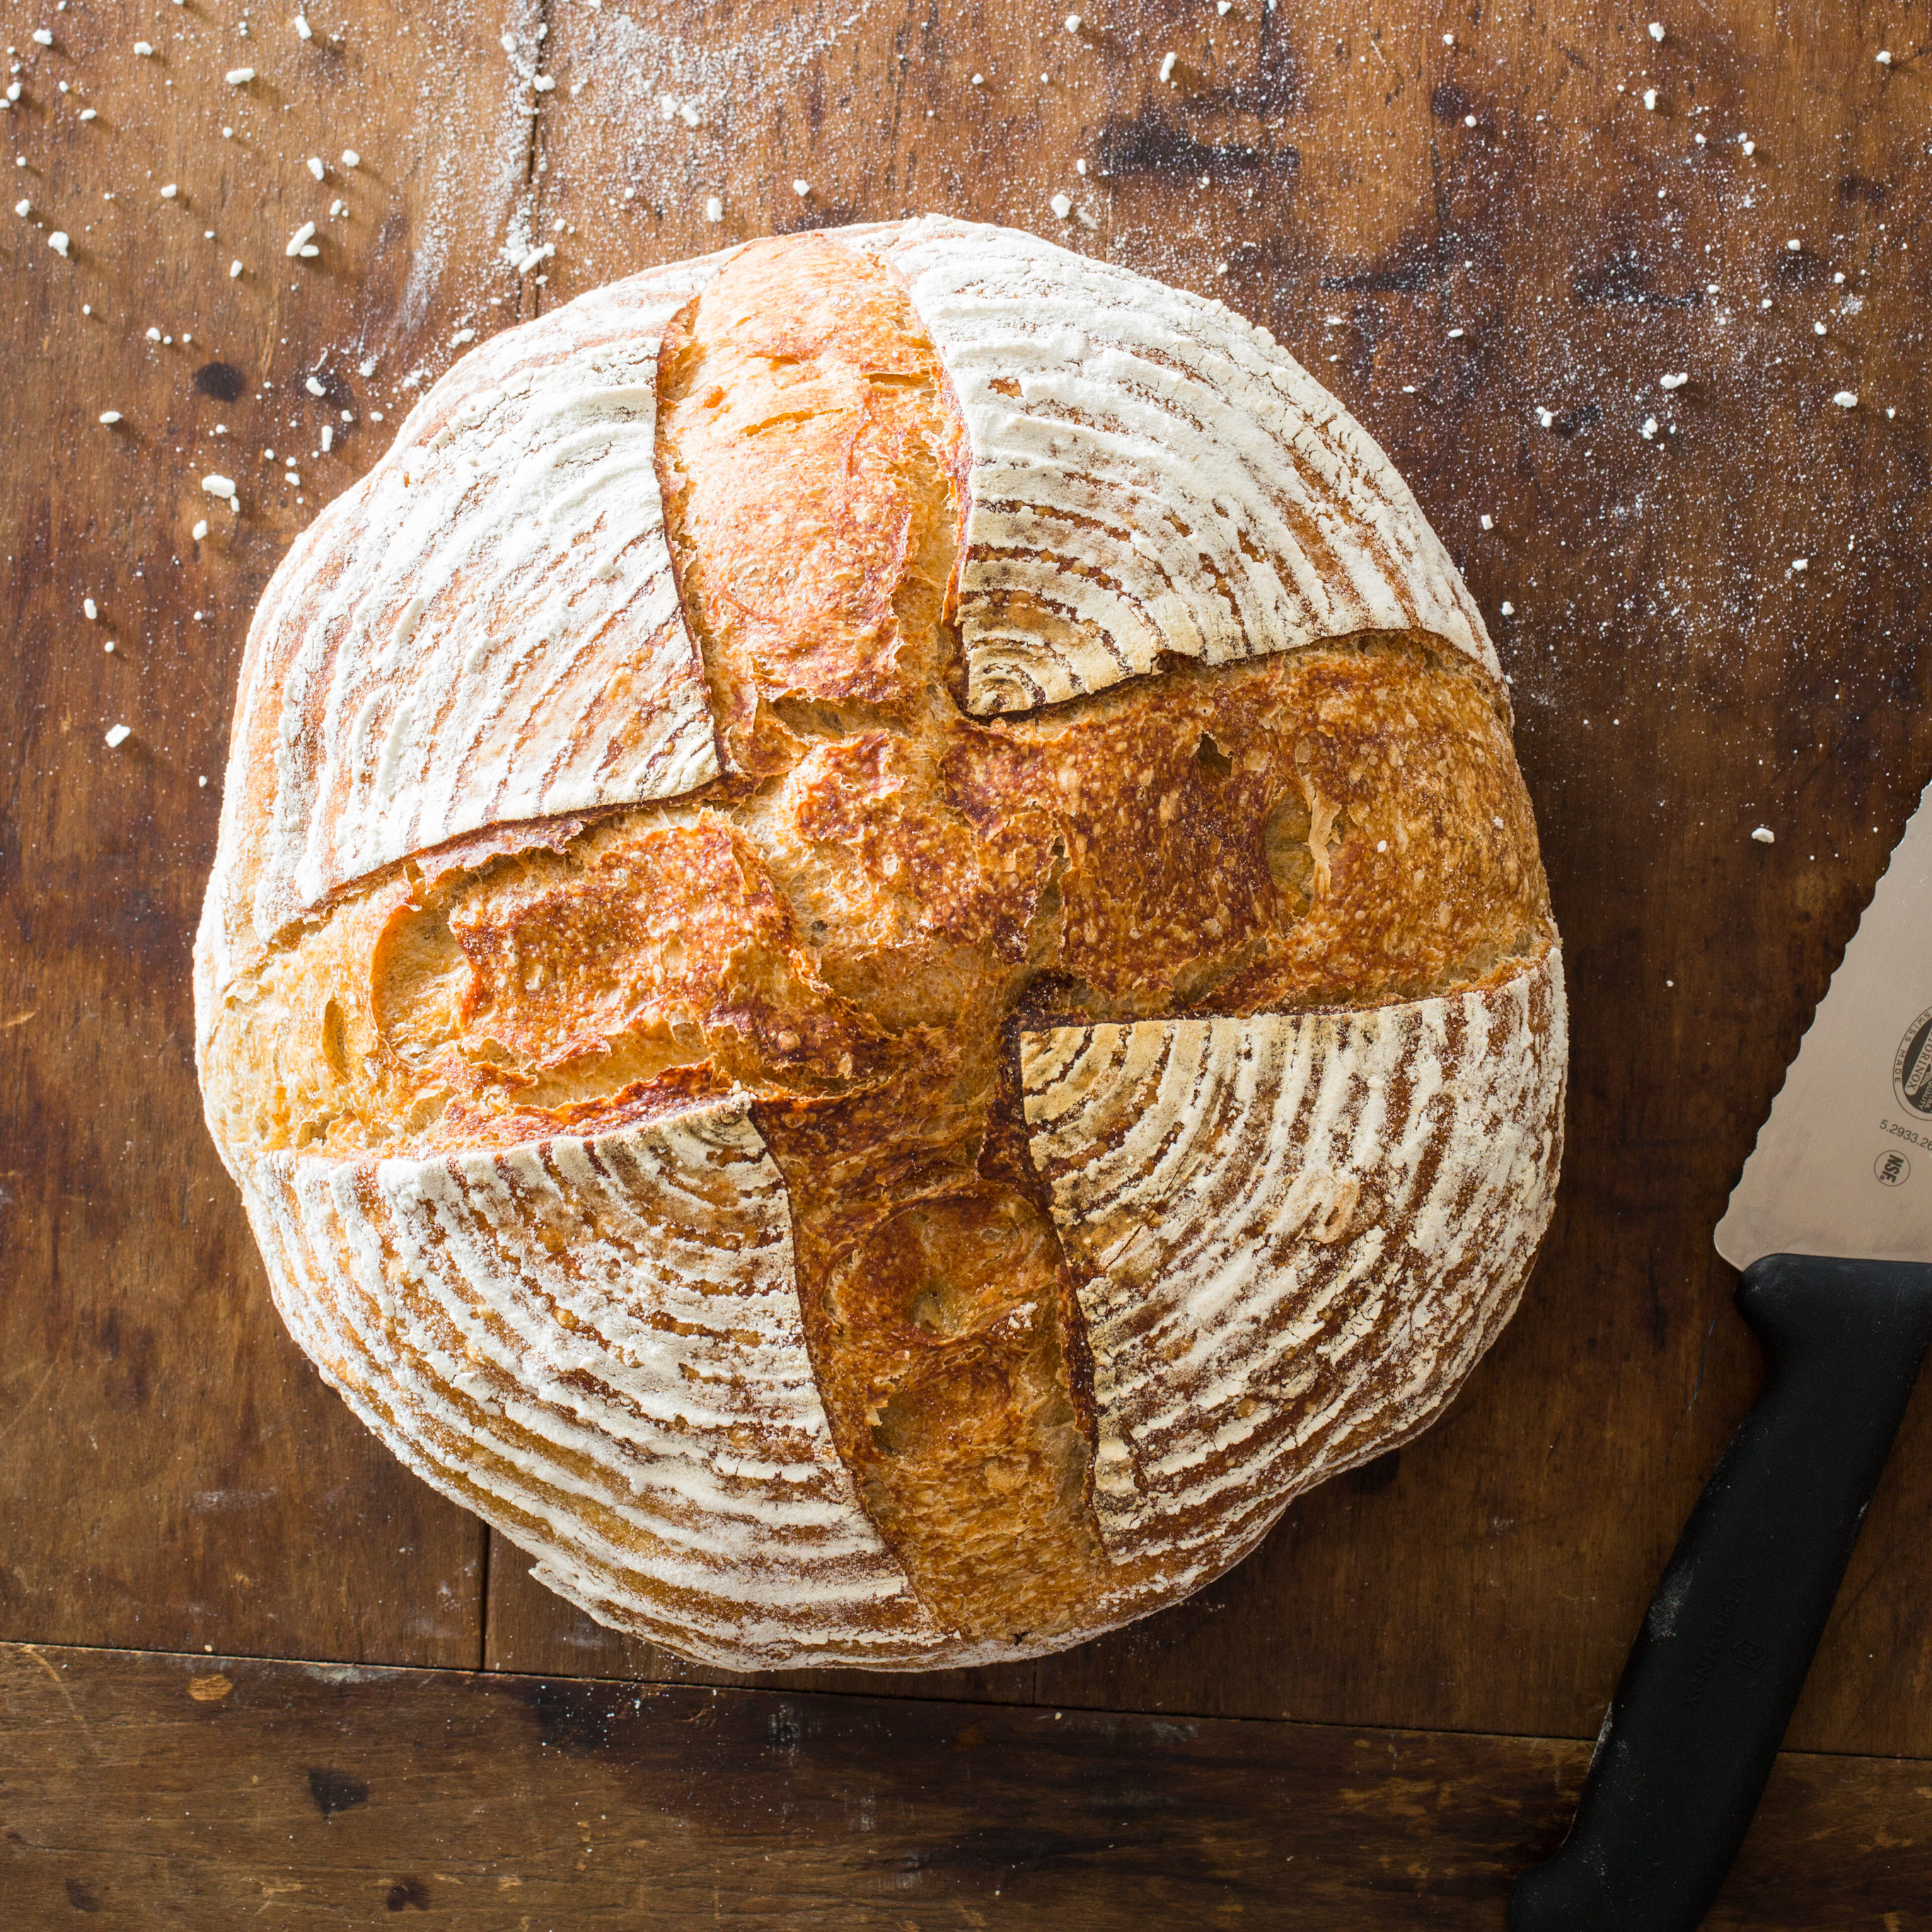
[(1711, 1681)]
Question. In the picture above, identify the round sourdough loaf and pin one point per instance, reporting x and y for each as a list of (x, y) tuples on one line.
[(877, 968)]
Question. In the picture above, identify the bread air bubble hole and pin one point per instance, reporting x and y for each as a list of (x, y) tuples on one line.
[(334, 1049), (1214, 763), (1285, 848), (810, 720), (897, 1430), (419, 983)]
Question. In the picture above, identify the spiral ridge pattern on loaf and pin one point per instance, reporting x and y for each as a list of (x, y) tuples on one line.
[(486, 627), (1151, 474), (599, 1342), (1278, 1211)]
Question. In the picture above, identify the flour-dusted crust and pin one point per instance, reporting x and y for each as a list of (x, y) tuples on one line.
[(1152, 474), (877, 967), (484, 629), (595, 1343), (1298, 1232)]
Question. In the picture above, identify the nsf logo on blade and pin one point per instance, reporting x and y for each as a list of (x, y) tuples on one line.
[(1911, 1067)]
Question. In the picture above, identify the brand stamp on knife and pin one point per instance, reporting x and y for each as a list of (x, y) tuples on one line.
[(1911, 1067)]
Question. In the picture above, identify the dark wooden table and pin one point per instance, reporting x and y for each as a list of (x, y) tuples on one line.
[(1377, 1718)]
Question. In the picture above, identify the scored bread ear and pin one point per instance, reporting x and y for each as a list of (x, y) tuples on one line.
[(486, 629), (596, 1345), (1151, 474), (1299, 1232)]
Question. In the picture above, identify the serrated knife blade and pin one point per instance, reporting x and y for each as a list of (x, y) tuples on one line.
[(1832, 1224), (1844, 1164)]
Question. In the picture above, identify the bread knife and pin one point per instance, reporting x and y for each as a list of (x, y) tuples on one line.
[(1832, 1224)]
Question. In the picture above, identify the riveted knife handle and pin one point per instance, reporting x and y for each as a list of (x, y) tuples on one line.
[(1712, 1677)]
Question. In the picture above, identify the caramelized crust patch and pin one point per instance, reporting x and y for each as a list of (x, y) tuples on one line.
[(672, 933), (811, 468), (1328, 827)]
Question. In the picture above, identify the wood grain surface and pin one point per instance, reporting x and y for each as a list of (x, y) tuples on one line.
[(145, 1790), (1365, 181), (174, 1473)]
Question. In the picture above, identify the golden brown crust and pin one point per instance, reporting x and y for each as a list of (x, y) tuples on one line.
[(845, 925), (811, 470)]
